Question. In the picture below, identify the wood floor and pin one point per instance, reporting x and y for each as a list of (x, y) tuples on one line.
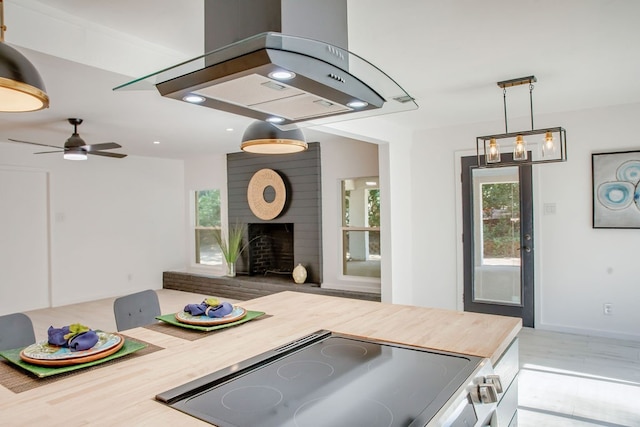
[(565, 380), (575, 380)]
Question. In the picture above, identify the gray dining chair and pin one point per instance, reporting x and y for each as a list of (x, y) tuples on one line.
[(137, 309), (16, 330)]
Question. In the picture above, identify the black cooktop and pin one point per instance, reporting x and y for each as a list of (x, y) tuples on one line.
[(327, 379)]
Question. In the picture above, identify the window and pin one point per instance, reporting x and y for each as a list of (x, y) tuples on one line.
[(500, 223), (207, 219), (361, 227)]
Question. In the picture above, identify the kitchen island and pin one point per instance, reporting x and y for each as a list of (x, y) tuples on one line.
[(123, 393)]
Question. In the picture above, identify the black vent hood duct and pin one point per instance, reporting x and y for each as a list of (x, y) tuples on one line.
[(247, 49)]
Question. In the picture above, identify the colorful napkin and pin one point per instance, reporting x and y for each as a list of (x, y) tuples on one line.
[(76, 337), (210, 307)]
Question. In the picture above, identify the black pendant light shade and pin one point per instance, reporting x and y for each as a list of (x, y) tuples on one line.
[(21, 87), (265, 138)]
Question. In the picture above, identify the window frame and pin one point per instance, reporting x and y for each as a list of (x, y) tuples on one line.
[(344, 228), (194, 228)]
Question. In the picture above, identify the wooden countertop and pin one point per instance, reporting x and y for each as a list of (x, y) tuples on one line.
[(123, 393)]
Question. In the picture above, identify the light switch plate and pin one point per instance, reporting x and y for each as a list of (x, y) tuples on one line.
[(549, 208)]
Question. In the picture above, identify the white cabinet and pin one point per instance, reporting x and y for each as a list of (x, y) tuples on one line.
[(507, 368)]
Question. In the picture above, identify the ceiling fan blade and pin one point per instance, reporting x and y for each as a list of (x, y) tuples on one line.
[(106, 154), (103, 146), (36, 143), (47, 152)]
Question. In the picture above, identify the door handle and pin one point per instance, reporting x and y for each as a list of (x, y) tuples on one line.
[(526, 248)]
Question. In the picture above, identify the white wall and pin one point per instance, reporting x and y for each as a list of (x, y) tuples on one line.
[(115, 224), (396, 198), (24, 232), (578, 268)]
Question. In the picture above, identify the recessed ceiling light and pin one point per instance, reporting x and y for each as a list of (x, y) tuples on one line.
[(371, 183), (156, 142), (357, 104), (275, 119), (229, 129), (194, 99), (282, 75)]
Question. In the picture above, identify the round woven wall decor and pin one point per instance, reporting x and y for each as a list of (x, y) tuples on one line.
[(259, 182)]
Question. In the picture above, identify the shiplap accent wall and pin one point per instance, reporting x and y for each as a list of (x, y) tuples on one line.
[(303, 209)]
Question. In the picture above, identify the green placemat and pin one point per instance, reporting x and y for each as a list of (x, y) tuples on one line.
[(171, 318), (13, 356)]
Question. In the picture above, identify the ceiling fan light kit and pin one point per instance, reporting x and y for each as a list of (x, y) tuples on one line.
[(21, 87), (75, 154), (527, 147), (75, 148)]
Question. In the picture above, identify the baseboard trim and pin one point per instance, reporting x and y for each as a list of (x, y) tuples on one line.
[(587, 332)]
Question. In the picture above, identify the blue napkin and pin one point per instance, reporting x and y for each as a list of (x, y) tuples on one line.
[(205, 309), (82, 341)]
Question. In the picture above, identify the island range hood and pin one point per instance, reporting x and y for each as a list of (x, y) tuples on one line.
[(285, 79)]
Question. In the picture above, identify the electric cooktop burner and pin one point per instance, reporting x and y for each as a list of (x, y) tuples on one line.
[(327, 379)]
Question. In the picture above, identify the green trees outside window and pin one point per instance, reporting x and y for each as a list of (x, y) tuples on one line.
[(501, 220), (207, 221)]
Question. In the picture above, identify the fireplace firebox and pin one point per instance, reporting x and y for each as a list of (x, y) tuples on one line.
[(270, 248)]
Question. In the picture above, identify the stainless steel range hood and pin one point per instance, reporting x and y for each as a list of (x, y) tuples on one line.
[(287, 80)]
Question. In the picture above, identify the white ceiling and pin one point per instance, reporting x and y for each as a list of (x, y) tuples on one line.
[(448, 54)]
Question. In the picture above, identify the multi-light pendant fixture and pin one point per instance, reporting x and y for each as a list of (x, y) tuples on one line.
[(552, 147)]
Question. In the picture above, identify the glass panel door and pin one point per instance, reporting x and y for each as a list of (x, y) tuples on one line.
[(496, 200), (498, 240)]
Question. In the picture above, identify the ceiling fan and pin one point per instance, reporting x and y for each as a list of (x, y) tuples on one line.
[(76, 149)]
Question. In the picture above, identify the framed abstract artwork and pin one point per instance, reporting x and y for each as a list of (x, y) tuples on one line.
[(616, 189)]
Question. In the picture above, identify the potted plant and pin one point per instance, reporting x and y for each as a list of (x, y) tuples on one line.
[(231, 246)]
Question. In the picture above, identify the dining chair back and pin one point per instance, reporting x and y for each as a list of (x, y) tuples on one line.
[(16, 330), (137, 309)]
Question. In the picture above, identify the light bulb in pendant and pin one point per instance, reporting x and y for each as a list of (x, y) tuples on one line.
[(549, 145), (493, 153), (520, 149)]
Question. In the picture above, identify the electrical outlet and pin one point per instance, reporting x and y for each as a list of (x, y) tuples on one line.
[(607, 309)]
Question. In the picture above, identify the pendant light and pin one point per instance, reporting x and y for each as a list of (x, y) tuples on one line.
[(552, 148), (549, 145), (520, 148), (493, 155), (21, 87), (265, 138)]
